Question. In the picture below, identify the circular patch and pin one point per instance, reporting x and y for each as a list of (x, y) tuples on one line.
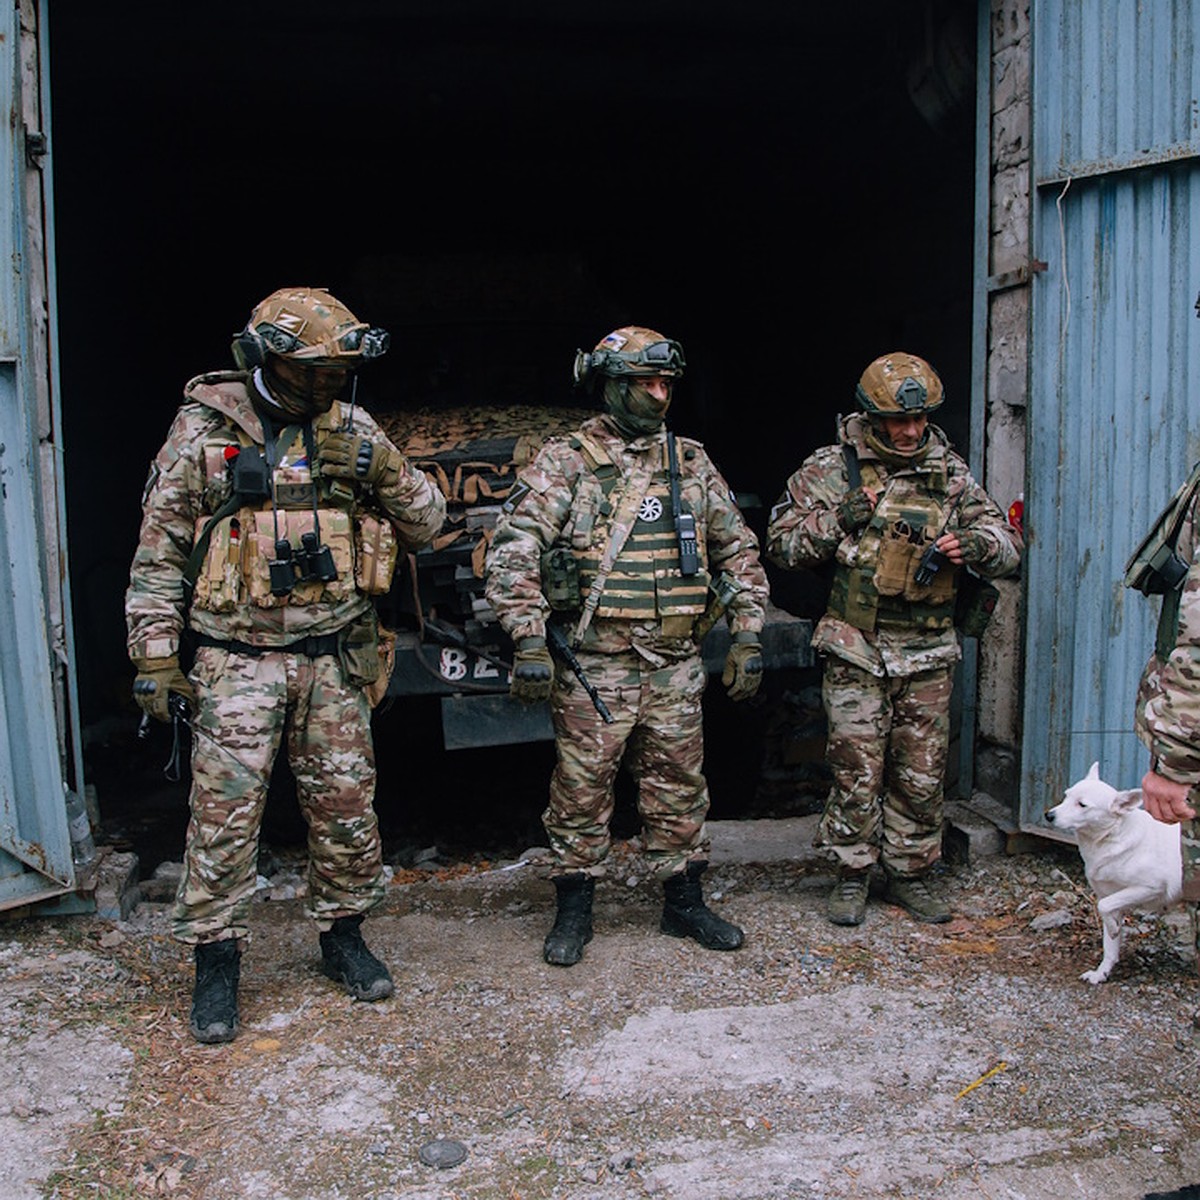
[(650, 509), (442, 1153)]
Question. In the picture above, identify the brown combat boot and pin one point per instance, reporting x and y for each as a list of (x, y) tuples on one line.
[(848, 900), (912, 893)]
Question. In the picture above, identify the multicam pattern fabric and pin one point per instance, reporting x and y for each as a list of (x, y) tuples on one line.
[(804, 532), (887, 747), (246, 707), (657, 727), (1167, 710), (887, 681), (648, 671), (248, 703), (188, 483), (562, 502)]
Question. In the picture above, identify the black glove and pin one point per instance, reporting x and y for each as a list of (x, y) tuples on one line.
[(346, 455), (533, 671), (854, 509)]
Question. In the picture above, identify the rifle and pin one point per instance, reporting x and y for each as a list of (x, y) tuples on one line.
[(722, 590), (685, 522), (557, 641)]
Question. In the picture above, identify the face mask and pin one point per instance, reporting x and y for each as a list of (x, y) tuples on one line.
[(634, 410), (303, 391)]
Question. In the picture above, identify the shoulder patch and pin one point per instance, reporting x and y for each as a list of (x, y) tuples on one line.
[(516, 494)]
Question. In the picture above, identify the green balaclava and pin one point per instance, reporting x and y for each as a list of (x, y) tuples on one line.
[(634, 411)]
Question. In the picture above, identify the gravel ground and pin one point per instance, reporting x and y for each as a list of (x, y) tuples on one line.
[(891, 1060)]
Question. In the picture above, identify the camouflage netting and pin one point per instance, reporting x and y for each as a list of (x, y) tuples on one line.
[(473, 455)]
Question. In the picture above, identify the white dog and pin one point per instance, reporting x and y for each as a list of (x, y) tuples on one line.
[(1130, 859)]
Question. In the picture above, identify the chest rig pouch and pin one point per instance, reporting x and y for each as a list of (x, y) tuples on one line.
[(644, 581), (880, 588), (1156, 568), (276, 536)]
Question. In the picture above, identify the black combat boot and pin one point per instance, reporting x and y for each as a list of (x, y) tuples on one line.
[(572, 928), (686, 915), (214, 997), (345, 958)]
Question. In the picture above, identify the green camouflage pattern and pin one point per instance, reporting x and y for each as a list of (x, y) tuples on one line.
[(658, 730), (886, 688), (804, 532), (245, 706), (650, 674), (887, 746), (1167, 709)]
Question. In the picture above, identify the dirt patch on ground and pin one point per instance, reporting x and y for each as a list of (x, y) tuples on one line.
[(896, 1059)]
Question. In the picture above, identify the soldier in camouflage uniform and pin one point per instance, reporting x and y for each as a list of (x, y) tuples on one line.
[(589, 531), (875, 504), (1167, 716), (271, 515)]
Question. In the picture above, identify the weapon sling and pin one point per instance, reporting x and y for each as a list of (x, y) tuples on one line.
[(636, 487)]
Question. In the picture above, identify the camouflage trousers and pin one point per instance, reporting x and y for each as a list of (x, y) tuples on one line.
[(1190, 833), (657, 730), (245, 707), (887, 747)]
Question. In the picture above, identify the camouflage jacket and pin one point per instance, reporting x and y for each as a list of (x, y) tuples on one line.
[(547, 508), (1167, 716), (187, 484), (804, 531)]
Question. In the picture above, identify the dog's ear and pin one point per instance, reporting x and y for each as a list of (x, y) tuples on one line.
[(1127, 801), (1094, 773)]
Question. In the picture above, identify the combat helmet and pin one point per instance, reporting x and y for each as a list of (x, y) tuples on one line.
[(626, 359), (310, 327), (899, 384), (627, 353)]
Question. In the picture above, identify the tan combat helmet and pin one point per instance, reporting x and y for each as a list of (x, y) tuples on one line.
[(310, 327), (627, 353), (898, 384)]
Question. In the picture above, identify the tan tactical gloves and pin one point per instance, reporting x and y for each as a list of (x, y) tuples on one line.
[(743, 667), (533, 671), (345, 455), (157, 679)]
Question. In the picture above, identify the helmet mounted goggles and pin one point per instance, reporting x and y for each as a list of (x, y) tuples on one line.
[(663, 356)]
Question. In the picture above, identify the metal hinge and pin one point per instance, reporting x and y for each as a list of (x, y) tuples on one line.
[(1017, 278), (36, 147)]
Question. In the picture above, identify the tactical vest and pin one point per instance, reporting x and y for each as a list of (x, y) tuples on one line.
[(645, 582), (242, 540), (1156, 569), (879, 589)]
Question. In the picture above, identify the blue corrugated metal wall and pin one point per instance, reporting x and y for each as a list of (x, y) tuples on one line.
[(35, 853), (1114, 397)]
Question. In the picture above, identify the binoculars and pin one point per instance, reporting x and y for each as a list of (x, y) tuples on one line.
[(308, 563)]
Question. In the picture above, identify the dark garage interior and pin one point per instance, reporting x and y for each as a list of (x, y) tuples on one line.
[(786, 189)]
